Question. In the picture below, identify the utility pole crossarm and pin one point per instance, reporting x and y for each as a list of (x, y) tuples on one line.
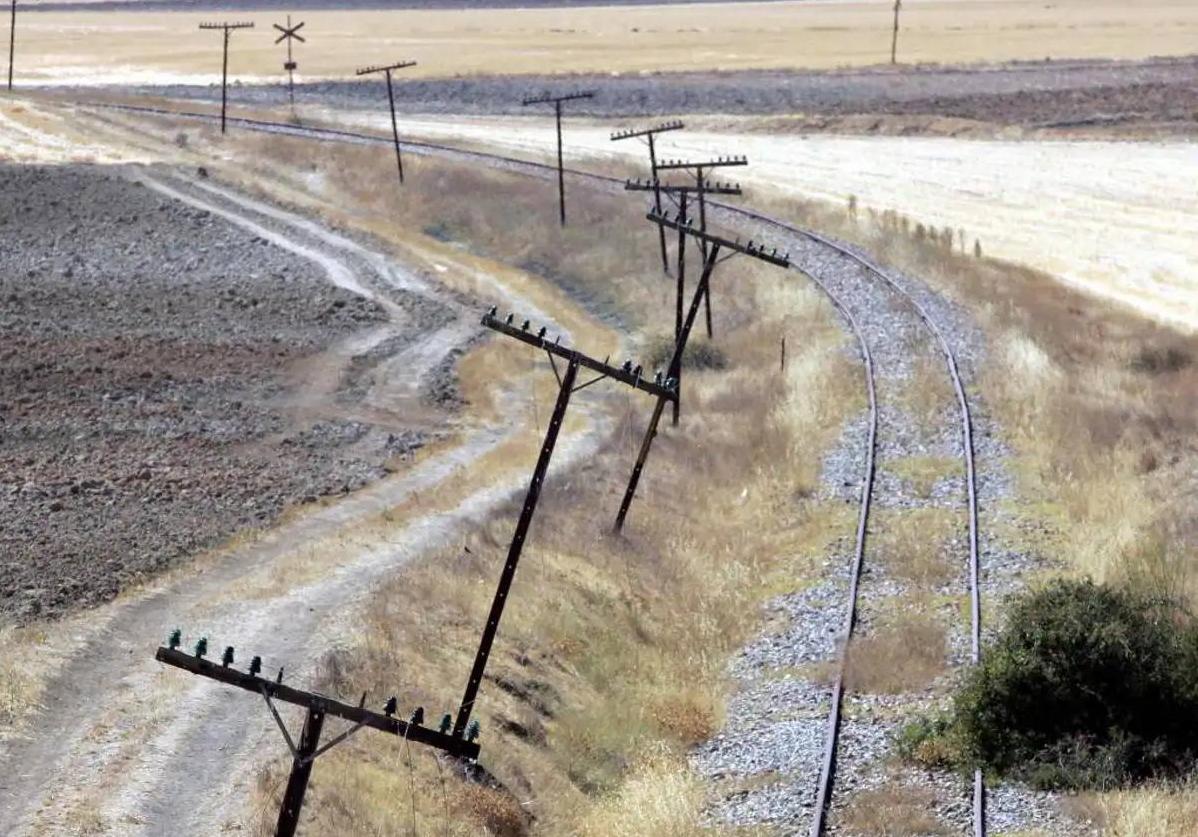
[(309, 700), (548, 99), (710, 187), (755, 250), (402, 65), (227, 26), (718, 162), (633, 133), (625, 375)]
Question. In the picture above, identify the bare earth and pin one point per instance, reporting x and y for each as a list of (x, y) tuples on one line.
[(163, 47)]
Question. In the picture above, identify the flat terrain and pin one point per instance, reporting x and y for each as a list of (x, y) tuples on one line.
[(1120, 225), (176, 380), (1127, 98), (158, 47)]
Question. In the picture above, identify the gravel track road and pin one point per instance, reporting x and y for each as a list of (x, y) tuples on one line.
[(146, 749)]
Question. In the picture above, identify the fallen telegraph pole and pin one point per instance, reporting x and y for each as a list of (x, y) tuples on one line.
[(557, 102), (228, 29), (388, 70), (713, 244)]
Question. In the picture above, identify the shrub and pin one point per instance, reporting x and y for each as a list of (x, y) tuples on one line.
[(1087, 687), (698, 354)]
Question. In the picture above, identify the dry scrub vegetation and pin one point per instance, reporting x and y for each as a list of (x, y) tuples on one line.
[(610, 662), (1099, 407)]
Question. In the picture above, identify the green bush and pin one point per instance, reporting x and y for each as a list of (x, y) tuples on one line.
[(1087, 687)]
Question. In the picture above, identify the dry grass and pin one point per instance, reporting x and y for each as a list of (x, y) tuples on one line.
[(906, 653), (619, 39), (922, 473), (1147, 812), (893, 810), (611, 657), (914, 544)]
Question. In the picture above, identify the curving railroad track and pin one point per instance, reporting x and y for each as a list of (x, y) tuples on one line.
[(826, 785)]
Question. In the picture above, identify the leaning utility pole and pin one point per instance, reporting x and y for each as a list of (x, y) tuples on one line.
[(898, 5), (574, 360), (227, 28), (318, 708), (388, 70), (699, 169), (713, 245), (650, 135), (290, 33), (561, 169)]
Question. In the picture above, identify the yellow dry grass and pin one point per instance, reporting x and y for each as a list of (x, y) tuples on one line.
[(906, 653), (117, 46), (1144, 812), (893, 810)]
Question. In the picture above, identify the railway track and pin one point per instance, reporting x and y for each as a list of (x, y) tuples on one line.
[(828, 762)]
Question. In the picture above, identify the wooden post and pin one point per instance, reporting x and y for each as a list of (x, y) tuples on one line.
[(517, 546), (394, 126), (898, 5), (675, 368), (301, 772)]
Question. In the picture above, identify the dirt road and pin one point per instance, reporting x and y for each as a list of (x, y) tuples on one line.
[(153, 752)]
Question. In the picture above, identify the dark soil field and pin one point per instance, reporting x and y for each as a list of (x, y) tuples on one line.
[(146, 349)]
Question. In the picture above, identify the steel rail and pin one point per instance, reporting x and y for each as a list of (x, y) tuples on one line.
[(832, 736)]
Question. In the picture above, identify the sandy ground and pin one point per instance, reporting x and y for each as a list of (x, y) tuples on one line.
[(1116, 219), (144, 47)]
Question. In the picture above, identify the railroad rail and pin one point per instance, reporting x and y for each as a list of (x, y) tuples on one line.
[(828, 760)]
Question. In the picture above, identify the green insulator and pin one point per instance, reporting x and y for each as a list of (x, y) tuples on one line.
[(226, 659), (473, 731), (202, 647), (176, 639), (446, 723)]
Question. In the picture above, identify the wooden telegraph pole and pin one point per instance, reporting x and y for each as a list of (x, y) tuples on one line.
[(626, 374), (898, 7), (319, 707), (388, 70), (227, 28), (12, 43), (650, 135), (561, 167), (714, 244)]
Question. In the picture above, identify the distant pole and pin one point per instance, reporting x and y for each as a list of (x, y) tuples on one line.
[(394, 126), (290, 33), (387, 71), (898, 5), (224, 85), (561, 166), (227, 28), (12, 43), (650, 134)]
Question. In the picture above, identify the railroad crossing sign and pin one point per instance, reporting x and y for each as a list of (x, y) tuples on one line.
[(290, 34)]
